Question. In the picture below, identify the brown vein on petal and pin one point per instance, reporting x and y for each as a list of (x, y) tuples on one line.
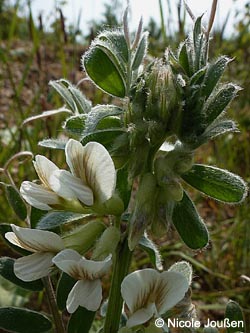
[(79, 273), (147, 296), (24, 245), (154, 293), (88, 169), (34, 248), (41, 176), (161, 290)]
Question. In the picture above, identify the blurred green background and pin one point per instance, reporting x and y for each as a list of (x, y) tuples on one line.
[(30, 56)]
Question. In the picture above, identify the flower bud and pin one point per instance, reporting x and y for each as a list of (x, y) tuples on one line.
[(173, 190), (83, 238), (161, 96), (143, 214), (174, 163), (120, 150), (107, 243), (163, 213), (138, 159), (184, 163), (163, 170)]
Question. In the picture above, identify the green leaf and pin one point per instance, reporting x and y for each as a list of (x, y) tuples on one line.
[(75, 99), (184, 268), (120, 150), (236, 318), (148, 246), (54, 219), (117, 41), (104, 70), (4, 227), (214, 130), (82, 103), (61, 87), (98, 113), (109, 123), (52, 143), (16, 202), (105, 137), (81, 321), (23, 321), (36, 215), (198, 77), (213, 75), (47, 114), (218, 102), (183, 58), (197, 31), (199, 44), (122, 186), (76, 124), (189, 224), (64, 286), (140, 51), (7, 271), (217, 183)]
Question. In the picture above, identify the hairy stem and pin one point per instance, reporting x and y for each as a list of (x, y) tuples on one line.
[(59, 328), (120, 270)]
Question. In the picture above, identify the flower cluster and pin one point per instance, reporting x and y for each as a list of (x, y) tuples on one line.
[(147, 293), (91, 180), (47, 249), (166, 111)]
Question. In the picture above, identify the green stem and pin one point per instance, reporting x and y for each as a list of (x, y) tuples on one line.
[(59, 328), (120, 270)]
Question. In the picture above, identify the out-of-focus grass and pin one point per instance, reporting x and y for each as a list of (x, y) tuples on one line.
[(30, 58)]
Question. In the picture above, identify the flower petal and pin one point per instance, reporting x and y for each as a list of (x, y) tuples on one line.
[(94, 269), (70, 187), (137, 287), (38, 240), (67, 260), (38, 196), (85, 293), (100, 171), (12, 238), (71, 262), (34, 266), (67, 254), (170, 290), (94, 166), (141, 316), (44, 168), (74, 152)]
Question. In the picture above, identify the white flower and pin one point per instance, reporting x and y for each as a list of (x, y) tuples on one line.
[(41, 196), (44, 244), (149, 293), (87, 292), (92, 178)]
